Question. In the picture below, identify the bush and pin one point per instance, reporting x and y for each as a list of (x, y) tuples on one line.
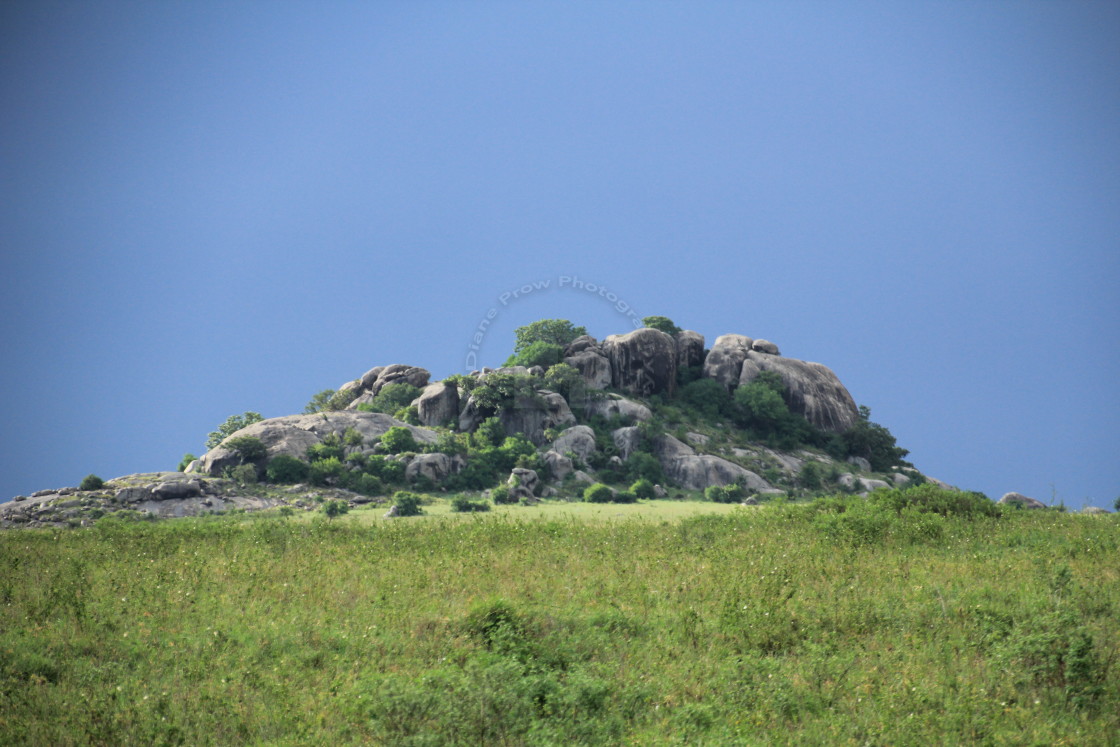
[(928, 498), (233, 424), (705, 396), (243, 474), (724, 493), (326, 471), (365, 484), (643, 489), (501, 495), (553, 331), (286, 469), (186, 461), (391, 398), (874, 443), (399, 439), (598, 493), (464, 505), (624, 496), (328, 400), (335, 507), (408, 504), (248, 448), (91, 482)]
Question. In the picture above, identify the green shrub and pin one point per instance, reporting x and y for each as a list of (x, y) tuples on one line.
[(363, 483), (329, 400), (874, 443), (248, 448), (286, 469), (465, 505), (724, 493), (598, 493), (391, 398), (325, 450), (624, 496), (553, 331), (335, 507), (928, 498), (501, 495), (233, 424), (91, 482), (399, 439), (243, 474), (326, 471), (643, 489), (407, 503), (186, 461), (706, 396)]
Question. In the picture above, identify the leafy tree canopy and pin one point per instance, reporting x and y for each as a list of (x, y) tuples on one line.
[(233, 424), (539, 353), (553, 331), (663, 323)]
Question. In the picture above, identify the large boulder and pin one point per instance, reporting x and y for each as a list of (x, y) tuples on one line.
[(627, 440), (579, 440), (435, 467), (643, 362), (523, 483), (698, 471), (812, 390), (1020, 500), (690, 348), (438, 404), (531, 416), (292, 435), (725, 360), (559, 465), (613, 404), (593, 366)]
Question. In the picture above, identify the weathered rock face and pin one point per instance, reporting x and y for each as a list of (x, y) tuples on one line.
[(438, 404), (531, 416), (643, 362), (812, 390), (698, 471), (294, 434), (1018, 499), (593, 366), (579, 440), (690, 348), (435, 467), (725, 360), (612, 405), (627, 440), (764, 346), (523, 483), (559, 465), (374, 380)]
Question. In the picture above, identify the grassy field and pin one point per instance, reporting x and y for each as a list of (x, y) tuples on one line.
[(837, 623)]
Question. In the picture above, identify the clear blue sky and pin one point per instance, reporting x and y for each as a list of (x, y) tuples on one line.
[(213, 207)]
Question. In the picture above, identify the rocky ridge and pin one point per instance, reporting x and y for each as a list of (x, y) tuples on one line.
[(619, 374)]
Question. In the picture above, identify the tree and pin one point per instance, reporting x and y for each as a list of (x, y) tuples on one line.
[(399, 439), (565, 380), (335, 507), (663, 323), (329, 400), (554, 331), (706, 396), (391, 398), (538, 353), (233, 424), (874, 443)]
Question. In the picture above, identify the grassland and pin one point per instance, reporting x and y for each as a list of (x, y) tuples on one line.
[(566, 624)]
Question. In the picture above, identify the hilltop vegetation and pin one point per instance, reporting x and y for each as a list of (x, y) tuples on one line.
[(916, 616)]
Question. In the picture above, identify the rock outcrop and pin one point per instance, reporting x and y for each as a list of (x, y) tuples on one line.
[(1021, 501), (438, 404), (293, 435), (725, 360), (690, 348), (812, 390), (578, 440), (643, 362), (374, 380), (531, 416), (612, 405), (697, 471)]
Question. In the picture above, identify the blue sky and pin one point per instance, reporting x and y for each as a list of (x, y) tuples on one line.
[(214, 207)]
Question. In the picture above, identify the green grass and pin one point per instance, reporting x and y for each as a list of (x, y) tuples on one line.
[(565, 624)]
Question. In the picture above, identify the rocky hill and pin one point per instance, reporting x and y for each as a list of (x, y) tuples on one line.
[(647, 407)]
